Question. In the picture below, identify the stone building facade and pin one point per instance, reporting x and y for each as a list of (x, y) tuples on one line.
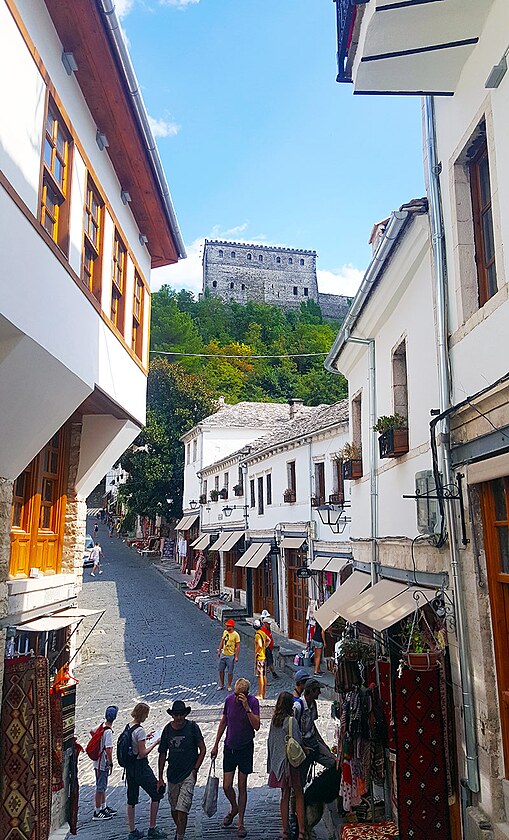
[(284, 277)]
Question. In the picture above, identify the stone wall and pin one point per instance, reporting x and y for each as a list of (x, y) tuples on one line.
[(240, 272), (334, 307), (75, 513)]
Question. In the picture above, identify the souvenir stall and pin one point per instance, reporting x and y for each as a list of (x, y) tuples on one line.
[(394, 723)]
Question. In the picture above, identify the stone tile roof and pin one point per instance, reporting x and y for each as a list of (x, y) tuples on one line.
[(253, 414), (318, 418)]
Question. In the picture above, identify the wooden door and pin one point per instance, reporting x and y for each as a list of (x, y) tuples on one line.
[(297, 597), (495, 512), (263, 587)]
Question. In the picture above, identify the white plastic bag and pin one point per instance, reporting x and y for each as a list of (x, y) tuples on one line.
[(209, 802)]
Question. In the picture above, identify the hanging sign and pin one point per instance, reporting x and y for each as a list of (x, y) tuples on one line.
[(303, 572)]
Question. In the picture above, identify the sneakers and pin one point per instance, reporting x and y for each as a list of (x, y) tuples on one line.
[(101, 816), (92, 574), (135, 835), (110, 811), (100, 573), (156, 834)]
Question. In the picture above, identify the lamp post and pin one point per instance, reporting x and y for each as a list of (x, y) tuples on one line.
[(334, 516), (193, 504), (228, 510)]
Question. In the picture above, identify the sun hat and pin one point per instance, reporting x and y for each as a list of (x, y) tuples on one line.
[(312, 683), (179, 708), (257, 624), (265, 614), (111, 713), (230, 623), (301, 675)]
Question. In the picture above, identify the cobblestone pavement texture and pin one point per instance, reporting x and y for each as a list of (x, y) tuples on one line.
[(152, 644)]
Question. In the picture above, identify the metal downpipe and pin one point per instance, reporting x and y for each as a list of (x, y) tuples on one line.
[(444, 382)]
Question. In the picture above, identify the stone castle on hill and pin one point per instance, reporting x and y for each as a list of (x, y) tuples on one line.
[(283, 277)]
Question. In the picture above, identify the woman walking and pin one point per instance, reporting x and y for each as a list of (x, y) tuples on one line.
[(281, 773)]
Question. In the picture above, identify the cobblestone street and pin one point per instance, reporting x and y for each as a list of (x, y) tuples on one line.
[(153, 645)]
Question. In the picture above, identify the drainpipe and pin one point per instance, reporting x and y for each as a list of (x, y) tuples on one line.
[(370, 344), (249, 572), (444, 382)]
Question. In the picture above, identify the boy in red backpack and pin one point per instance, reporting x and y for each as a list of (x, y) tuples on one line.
[(100, 749)]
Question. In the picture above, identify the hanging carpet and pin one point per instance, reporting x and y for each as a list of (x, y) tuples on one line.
[(421, 765), (378, 831), (57, 741), (25, 747)]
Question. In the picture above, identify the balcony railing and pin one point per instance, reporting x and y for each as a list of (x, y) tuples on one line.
[(346, 11)]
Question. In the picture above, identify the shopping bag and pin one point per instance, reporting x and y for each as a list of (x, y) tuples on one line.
[(209, 802)]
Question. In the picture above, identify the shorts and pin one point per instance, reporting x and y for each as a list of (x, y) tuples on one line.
[(260, 667), (269, 658), (140, 775), (101, 780), (180, 795), (226, 663), (290, 778), (316, 644), (241, 758)]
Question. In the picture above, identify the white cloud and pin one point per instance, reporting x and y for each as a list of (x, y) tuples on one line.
[(179, 3), (342, 281), (123, 7), (163, 128), (186, 274)]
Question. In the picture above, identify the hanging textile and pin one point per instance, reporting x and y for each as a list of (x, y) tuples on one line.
[(370, 832), (57, 741), (25, 747), (74, 788), (421, 765)]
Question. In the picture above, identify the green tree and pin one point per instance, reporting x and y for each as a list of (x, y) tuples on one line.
[(176, 401)]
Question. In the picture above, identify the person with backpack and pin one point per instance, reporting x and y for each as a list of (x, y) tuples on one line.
[(260, 643), (282, 774), (228, 652), (100, 750), (305, 711), (132, 754), (269, 656), (183, 745)]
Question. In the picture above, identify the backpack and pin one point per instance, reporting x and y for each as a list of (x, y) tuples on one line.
[(294, 752), (125, 753), (93, 748)]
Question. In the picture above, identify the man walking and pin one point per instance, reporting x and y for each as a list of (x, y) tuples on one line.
[(140, 774), (269, 647), (228, 652), (240, 719), (305, 711), (301, 677), (260, 643), (104, 765), (183, 745), (95, 556)]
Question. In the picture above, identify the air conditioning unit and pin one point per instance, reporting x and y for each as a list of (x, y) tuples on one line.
[(429, 520)]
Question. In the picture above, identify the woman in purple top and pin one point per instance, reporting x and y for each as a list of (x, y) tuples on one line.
[(240, 719)]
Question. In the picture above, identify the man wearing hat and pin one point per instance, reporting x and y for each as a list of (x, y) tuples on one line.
[(301, 677), (228, 652), (269, 657), (305, 710), (104, 765), (183, 746)]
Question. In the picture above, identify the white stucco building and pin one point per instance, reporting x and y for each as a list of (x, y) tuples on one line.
[(86, 213)]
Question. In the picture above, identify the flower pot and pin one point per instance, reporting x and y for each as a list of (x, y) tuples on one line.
[(393, 443), (203, 499), (351, 469), (289, 496), (223, 494), (422, 661), (214, 495), (238, 490), (316, 501)]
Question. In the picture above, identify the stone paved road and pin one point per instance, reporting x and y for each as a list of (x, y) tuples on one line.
[(152, 644)]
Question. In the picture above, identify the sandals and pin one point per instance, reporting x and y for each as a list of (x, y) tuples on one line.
[(242, 832), (229, 819)]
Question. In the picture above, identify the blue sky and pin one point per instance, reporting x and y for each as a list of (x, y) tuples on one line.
[(258, 140)]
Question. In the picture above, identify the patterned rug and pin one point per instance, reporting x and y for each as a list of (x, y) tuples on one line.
[(370, 832), (25, 747), (57, 741), (421, 769)]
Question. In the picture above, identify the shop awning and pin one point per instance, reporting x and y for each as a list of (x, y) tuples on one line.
[(332, 609), (319, 564), (335, 564), (380, 616), (201, 543), (292, 542), (222, 538), (371, 601), (186, 522), (259, 556), (56, 621), (248, 554), (232, 540)]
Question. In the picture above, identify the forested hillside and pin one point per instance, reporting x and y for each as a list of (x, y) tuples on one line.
[(209, 326)]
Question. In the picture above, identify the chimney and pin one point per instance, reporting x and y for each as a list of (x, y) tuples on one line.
[(295, 407)]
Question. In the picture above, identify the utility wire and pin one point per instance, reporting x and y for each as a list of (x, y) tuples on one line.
[(225, 356)]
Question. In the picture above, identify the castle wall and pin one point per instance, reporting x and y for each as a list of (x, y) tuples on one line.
[(334, 307)]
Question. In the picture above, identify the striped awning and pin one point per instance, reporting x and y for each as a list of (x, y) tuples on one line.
[(201, 542), (232, 540), (332, 609), (319, 564), (222, 538), (185, 523), (328, 564), (259, 556), (292, 542), (386, 603)]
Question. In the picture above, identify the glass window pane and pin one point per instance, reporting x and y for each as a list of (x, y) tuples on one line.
[(484, 180), (47, 490), (19, 487), (58, 171), (492, 280), (487, 232), (54, 463), (45, 517), (60, 143), (50, 122), (16, 514), (503, 544), (500, 500), (48, 149)]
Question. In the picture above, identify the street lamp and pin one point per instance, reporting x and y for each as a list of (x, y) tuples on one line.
[(334, 516), (228, 510), (193, 504)]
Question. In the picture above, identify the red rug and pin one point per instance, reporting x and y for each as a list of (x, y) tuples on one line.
[(421, 767), (57, 741), (25, 747), (370, 832)]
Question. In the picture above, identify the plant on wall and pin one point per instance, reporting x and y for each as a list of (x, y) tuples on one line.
[(390, 421), (350, 452)]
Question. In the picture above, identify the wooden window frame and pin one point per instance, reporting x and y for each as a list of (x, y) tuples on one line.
[(261, 506), (480, 212), (292, 476), (94, 245), (268, 489), (252, 495), (138, 315), (118, 282), (319, 474), (60, 188)]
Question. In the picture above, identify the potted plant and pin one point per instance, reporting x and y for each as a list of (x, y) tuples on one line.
[(203, 499), (214, 495), (351, 466), (421, 650), (289, 495), (355, 650), (393, 432), (238, 489), (223, 493)]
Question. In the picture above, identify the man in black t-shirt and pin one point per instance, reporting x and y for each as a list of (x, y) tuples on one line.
[(183, 745)]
